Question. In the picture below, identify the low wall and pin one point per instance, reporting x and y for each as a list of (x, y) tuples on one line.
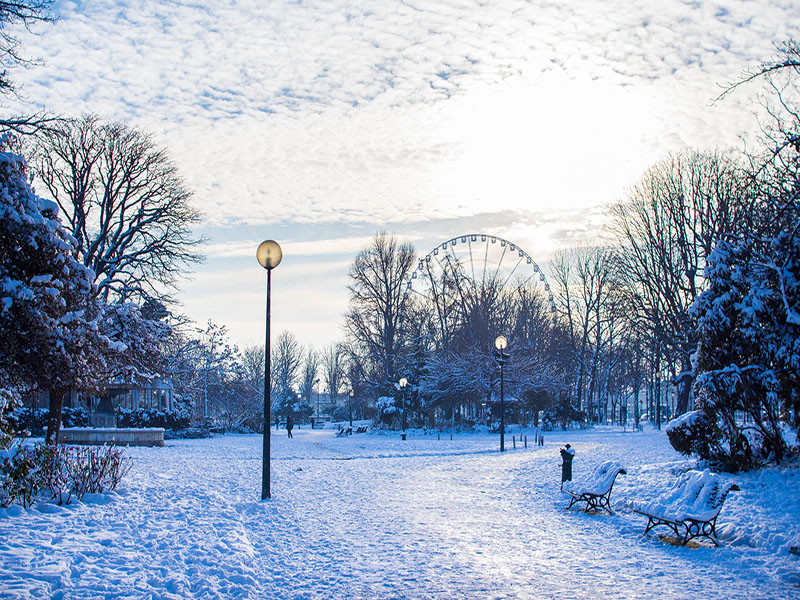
[(151, 436)]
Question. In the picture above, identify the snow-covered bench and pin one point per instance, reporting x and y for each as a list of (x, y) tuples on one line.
[(596, 490), (343, 432), (691, 507)]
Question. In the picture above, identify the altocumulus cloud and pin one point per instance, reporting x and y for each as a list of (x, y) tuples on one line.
[(248, 57), (320, 122), (341, 110)]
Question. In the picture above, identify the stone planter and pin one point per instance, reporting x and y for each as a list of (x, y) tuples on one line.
[(150, 436)]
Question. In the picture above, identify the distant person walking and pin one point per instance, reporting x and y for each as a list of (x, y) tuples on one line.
[(289, 425)]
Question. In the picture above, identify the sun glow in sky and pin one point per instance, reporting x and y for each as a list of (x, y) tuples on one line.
[(318, 123)]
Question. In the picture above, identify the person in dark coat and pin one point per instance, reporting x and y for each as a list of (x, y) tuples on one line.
[(289, 425)]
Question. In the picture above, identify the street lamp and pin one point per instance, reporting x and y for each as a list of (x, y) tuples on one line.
[(316, 384), (269, 256), (502, 358), (350, 407), (403, 383)]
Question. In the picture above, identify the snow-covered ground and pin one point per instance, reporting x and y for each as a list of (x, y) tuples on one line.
[(373, 517)]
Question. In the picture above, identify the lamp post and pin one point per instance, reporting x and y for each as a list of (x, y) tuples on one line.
[(269, 256), (501, 357), (350, 407), (316, 384), (403, 383)]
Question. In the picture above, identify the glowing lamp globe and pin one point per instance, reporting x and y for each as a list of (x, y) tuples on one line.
[(269, 254)]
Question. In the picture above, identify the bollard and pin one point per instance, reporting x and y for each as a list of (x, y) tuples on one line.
[(438, 436), (567, 455), (514, 441), (526, 441), (451, 436)]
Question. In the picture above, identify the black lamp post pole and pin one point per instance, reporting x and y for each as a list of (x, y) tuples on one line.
[(265, 467), (404, 409), (501, 343), (269, 256), (502, 409)]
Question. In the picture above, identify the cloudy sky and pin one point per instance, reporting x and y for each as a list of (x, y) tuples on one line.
[(317, 123)]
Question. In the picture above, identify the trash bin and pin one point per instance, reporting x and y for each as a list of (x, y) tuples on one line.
[(403, 436), (567, 454)]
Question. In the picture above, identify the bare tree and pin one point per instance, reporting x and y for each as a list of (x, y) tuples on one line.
[(377, 278), (308, 378), (252, 362), (26, 13), (19, 12), (218, 361), (583, 280), (334, 367), (123, 201), (286, 356), (667, 226)]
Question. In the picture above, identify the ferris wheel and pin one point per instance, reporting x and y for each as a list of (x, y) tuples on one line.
[(467, 268)]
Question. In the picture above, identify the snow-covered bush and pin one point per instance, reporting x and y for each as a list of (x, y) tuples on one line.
[(387, 409), (152, 417), (20, 480), (340, 412), (35, 421), (58, 473), (8, 399), (694, 434), (189, 433)]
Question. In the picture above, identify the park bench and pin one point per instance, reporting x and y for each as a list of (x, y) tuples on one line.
[(691, 507), (343, 432), (596, 490), (361, 429)]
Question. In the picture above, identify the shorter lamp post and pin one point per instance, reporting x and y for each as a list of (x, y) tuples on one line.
[(350, 407), (316, 384), (403, 383), (269, 256), (502, 358)]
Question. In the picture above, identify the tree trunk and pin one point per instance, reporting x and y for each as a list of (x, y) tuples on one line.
[(54, 418), (685, 379)]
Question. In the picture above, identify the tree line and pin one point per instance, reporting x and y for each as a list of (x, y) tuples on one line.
[(688, 305)]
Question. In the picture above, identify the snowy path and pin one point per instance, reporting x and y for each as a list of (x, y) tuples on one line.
[(374, 517)]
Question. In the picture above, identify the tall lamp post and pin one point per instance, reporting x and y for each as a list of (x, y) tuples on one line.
[(403, 383), (502, 358), (269, 256)]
